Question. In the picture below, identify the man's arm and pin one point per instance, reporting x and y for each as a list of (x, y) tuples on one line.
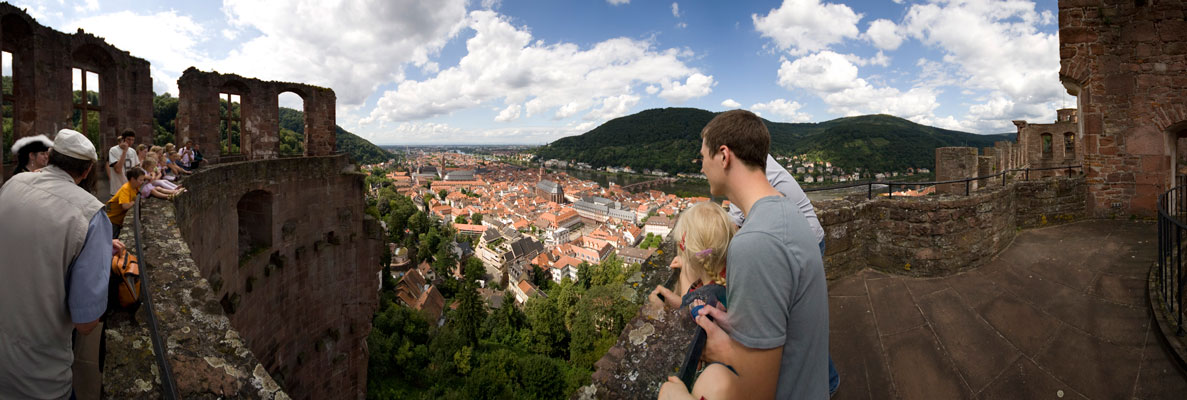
[(119, 166), (758, 369), (86, 291)]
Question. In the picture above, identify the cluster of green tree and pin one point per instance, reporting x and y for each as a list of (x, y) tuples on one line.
[(544, 350), (292, 132), (669, 139), (651, 241), (475, 219)]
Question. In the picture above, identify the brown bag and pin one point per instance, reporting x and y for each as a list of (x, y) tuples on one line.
[(125, 275)]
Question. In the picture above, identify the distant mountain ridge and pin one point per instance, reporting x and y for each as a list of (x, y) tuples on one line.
[(668, 139)]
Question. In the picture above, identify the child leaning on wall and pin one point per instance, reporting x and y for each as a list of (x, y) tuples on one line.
[(702, 235)]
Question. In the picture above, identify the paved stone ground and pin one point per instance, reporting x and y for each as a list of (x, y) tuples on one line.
[(1061, 313)]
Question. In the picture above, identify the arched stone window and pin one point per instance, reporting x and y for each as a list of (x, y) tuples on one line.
[(292, 125), (255, 223), (230, 115), (1046, 143)]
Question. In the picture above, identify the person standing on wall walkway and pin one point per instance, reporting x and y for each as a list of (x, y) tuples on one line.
[(57, 262)]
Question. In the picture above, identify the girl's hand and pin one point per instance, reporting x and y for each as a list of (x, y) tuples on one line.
[(664, 296), (674, 389)]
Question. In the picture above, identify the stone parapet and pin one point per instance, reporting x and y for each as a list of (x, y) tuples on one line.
[(207, 355), (292, 260)]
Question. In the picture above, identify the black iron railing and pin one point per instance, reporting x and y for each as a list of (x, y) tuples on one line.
[(168, 384), (968, 182), (1169, 279)]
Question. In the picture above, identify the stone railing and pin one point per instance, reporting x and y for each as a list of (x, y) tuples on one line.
[(208, 357), (917, 236)]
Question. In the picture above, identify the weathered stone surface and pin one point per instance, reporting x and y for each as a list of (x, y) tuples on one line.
[(305, 322), (1122, 60), (198, 116)]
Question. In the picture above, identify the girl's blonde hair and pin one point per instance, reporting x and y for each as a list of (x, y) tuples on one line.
[(156, 149), (149, 165), (141, 147), (169, 147), (702, 235)]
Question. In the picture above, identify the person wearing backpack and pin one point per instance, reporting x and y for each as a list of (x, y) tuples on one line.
[(57, 259)]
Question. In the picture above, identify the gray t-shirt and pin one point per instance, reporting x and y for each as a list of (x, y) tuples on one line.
[(777, 295), (782, 181)]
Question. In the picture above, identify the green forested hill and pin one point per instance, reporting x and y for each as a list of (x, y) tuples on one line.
[(668, 139), (292, 133)]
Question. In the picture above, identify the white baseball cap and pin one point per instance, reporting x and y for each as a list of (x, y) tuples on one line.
[(70, 143)]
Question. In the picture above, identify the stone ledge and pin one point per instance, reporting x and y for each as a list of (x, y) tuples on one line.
[(207, 356)]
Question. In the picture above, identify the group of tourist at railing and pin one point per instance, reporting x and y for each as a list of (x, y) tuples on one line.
[(1168, 279), (968, 182)]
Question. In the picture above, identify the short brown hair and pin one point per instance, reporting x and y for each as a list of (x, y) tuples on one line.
[(743, 132)]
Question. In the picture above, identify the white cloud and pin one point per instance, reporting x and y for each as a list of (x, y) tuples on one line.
[(618, 2), (697, 85), (353, 48), (731, 104), (170, 41), (504, 62), (87, 5), (782, 108), (613, 107), (675, 10), (835, 79), (994, 46), (884, 34), (510, 113), (802, 26)]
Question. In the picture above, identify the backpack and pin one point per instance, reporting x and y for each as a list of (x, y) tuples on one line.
[(125, 276)]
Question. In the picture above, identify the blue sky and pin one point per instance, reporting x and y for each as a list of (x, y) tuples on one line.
[(532, 71)]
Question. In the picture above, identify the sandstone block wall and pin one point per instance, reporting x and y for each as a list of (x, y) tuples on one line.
[(301, 290), (940, 235), (42, 68), (198, 116), (955, 163), (1125, 60)]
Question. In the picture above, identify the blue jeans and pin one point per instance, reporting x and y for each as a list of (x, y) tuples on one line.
[(834, 379)]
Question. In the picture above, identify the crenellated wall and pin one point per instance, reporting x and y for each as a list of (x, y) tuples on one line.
[(292, 259)]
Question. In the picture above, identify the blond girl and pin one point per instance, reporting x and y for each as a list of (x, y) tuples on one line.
[(702, 235)]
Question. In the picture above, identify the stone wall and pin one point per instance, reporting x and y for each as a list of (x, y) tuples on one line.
[(207, 355), (955, 163), (42, 63), (1127, 63), (301, 289), (1048, 145), (199, 119), (941, 235)]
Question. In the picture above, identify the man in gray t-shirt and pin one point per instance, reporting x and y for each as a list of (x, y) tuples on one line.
[(776, 331)]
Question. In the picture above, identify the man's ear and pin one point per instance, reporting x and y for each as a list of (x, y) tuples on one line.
[(727, 156)]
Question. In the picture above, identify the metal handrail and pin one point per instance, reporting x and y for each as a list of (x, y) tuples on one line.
[(1170, 275), (168, 385), (967, 181)]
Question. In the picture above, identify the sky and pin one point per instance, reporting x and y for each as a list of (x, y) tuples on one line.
[(531, 71)]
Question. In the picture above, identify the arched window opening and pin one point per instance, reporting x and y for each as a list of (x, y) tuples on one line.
[(87, 106), (16, 44), (292, 124), (1069, 145), (230, 126), (1046, 139), (255, 223)]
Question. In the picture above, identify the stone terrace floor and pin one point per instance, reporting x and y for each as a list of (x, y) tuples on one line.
[(1061, 313)]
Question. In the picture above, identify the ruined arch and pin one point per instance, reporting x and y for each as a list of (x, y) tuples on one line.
[(291, 143), (16, 42)]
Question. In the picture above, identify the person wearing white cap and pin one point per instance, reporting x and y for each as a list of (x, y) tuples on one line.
[(32, 153), (57, 262)]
